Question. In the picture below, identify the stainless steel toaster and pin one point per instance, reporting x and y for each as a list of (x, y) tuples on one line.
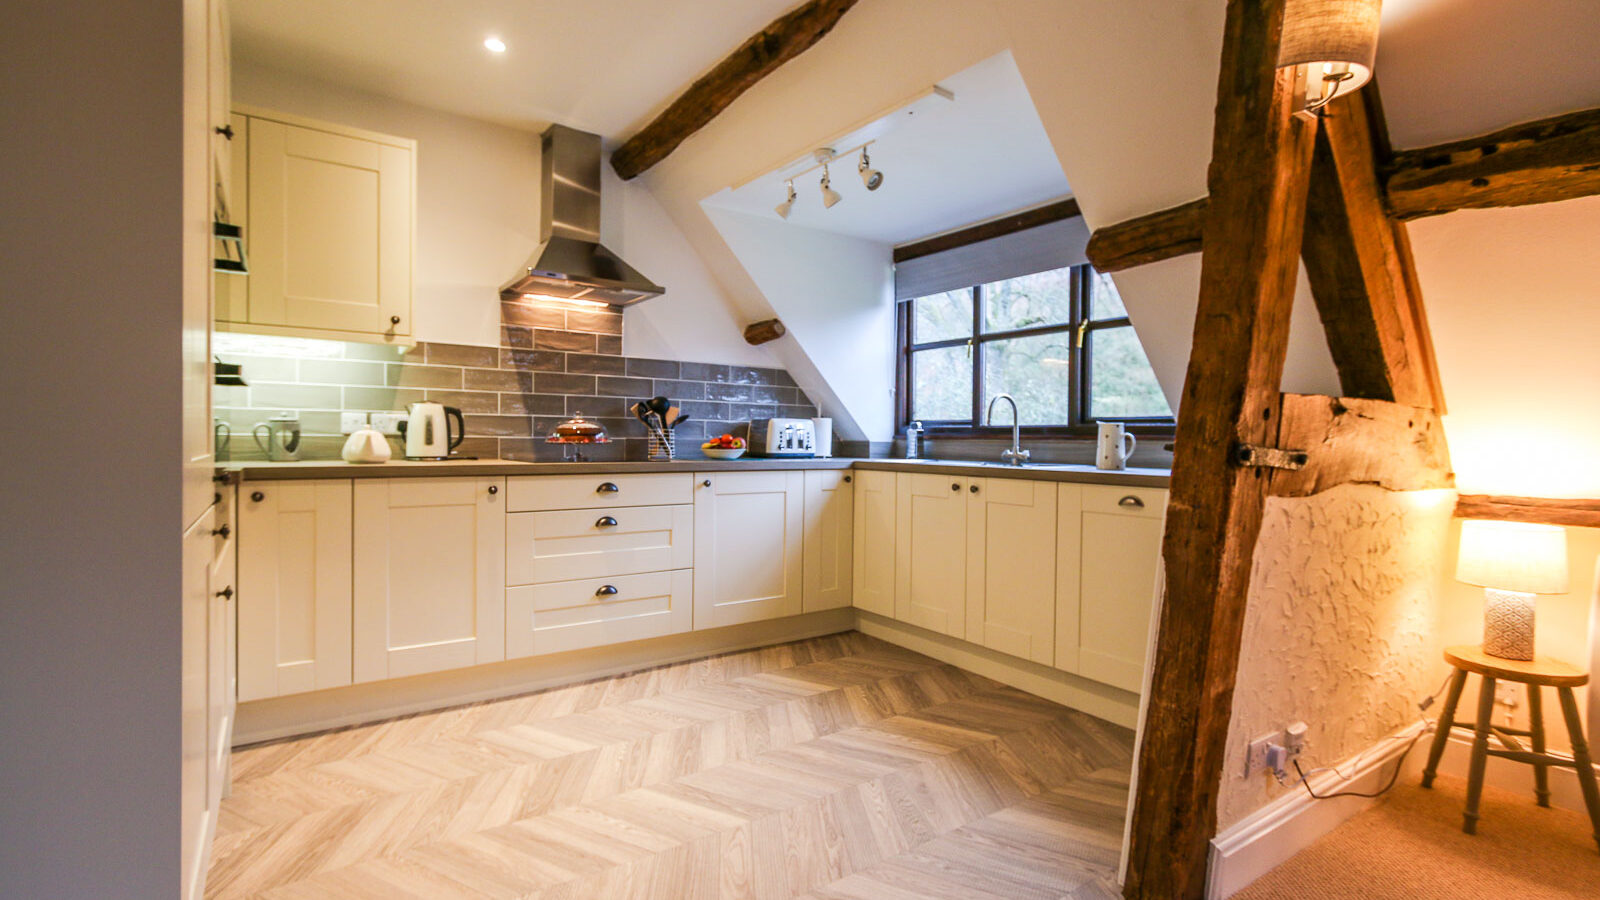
[(783, 437)]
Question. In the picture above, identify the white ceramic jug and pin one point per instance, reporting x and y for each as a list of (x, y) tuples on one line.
[(366, 445), (1115, 446)]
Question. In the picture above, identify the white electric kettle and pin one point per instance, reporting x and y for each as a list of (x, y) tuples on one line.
[(428, 433)]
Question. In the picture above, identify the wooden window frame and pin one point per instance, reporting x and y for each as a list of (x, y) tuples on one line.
[(1078, 366)]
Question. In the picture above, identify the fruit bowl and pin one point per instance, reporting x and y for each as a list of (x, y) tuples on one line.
[(722, 452)]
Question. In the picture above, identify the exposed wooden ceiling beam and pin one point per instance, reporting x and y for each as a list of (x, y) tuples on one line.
[(1147, 239), (1540, 162), (1584, 513), (1348, 440), (1537, 162), (787, 37), (983, 231), (1358, 267), (1260, 163)]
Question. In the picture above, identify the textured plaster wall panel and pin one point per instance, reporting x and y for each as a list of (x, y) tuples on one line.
[(1341, 629)]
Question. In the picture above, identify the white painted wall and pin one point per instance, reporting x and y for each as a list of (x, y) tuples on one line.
[(836, 295), (478, 221), (90, 492), (1125, 91)]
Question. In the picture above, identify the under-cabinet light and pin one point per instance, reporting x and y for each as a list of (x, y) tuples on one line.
[(573, 301), (495, 44)]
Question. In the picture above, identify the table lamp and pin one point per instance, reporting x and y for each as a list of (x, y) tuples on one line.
[(1511, 561)]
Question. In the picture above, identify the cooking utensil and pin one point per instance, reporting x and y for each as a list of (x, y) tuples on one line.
[(682, 418)]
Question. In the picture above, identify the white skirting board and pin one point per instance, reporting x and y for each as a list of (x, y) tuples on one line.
[(1269, 836), (279, 717), (1099, 700)]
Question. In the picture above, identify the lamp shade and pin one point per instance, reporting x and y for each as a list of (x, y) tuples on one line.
[(1513, 556), (1337, 33)]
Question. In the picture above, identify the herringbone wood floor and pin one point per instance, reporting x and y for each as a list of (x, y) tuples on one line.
[(839, 767)]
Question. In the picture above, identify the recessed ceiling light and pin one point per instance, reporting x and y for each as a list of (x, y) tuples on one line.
[(495, 44)]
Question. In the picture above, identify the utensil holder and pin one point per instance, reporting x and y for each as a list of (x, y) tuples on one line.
[(660, 444)]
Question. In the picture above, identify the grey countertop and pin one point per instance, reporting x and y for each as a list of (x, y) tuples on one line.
[(271, 471)]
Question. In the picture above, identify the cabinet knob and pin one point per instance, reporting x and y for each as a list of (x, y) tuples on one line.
[(847, 479), (226, 593), (394, 320), (955, 486), (225, 130), (222, 532), (605, 522), (257, 496), (494, 489), (607, 488), (1131, 502), (706, 483), (974, 489), (605, 590)]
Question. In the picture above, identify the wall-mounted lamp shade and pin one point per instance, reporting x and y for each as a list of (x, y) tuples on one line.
[(1335, 41), (1513, 556), (782, 209)]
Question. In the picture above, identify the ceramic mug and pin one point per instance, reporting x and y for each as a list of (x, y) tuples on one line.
[(1115, 446)]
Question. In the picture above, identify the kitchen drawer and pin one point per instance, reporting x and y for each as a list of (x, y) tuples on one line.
[(1132, 501), (541, 492), (572, 615), (561, 545)]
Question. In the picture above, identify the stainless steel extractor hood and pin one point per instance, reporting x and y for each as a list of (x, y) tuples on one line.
[(571, 263)]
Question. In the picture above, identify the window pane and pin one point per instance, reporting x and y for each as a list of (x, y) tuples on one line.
[(941, 385), (1034, 371), (943, 316), (1104, 301), (1120, 380), (1029, 301)]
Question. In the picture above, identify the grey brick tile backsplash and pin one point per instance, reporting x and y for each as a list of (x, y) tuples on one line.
[(551, 364)]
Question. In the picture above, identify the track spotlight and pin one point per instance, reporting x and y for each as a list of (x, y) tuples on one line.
[(870, 177), (829, 195), (782, 209)]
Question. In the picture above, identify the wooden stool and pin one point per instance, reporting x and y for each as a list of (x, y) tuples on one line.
[(1536, 673)]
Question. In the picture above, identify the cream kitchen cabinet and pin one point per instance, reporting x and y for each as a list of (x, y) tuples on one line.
[(1108, 544), (429, 575), (329, 217), (748, 546), (1011, 556), (222, 649), (931, 552), (294, 599), (829, 518), (873, 542)]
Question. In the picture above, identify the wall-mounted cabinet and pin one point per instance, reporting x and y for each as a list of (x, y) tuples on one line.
[(329, 223)]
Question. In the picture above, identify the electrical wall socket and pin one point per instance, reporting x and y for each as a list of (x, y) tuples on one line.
[(387, 423), (350, 423), (1506, 694), (1256, 758)]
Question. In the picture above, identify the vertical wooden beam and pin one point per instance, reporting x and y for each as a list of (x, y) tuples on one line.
[(1360, 267), (1260, 164)]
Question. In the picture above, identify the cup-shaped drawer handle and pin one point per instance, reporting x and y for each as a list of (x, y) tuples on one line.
[(607, 488), (606, 590), (605, 522), (1131, 502)]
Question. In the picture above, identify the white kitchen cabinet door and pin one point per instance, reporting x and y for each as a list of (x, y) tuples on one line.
[(931, 552), (294, 587), (220, 652), (748, 546), (1121, 549), (331, 228), (830, 516), (872, 543), (1011, 566), (196, 820), (1069, 572), (430, 570), (231, 290)]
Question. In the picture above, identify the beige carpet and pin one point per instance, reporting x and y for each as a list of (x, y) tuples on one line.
[(1412, 846)]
